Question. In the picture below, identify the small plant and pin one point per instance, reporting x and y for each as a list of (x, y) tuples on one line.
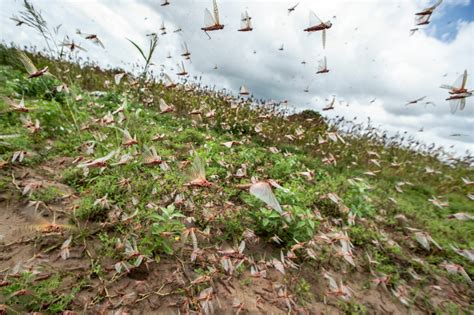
[(108, 245), (87, 210), (303, 290), (268, 221), (361, 236), (233, 226), (27, 294), (352, 307), (358, 202), (190, 136), (246, 281), (47, 194), (165, 227), (300, 227), (152, 44), (43, 88)]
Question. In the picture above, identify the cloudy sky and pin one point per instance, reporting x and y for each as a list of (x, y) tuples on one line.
[(370, 53)]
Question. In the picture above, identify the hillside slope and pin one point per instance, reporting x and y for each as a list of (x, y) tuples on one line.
[(366, 226)]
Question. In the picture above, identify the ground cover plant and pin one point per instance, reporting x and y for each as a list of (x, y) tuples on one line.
[(121, 192)]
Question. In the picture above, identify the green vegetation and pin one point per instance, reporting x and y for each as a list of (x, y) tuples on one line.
[(139, 214), (32, 295)]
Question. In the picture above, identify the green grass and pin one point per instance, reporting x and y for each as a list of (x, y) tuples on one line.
[(45, 295), (225, 210)]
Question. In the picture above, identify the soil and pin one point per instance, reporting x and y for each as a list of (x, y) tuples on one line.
[(172, 286)]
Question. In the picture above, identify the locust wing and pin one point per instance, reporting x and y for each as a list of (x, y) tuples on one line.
[(454, 104), (322, 64), (197, 170), (79, 47), (185, 48), (163, 106), (149, 155), (422, 19), (243, 21), (314, 19), (447, 87), (216, 13), (168, 79), (208, 18), (244, 90), (462, 103), (80, 33), (434, 6), (420, 99), (27, 63), (324, 38), (97, 41), (118, 77), (460, 82), (263, 191)]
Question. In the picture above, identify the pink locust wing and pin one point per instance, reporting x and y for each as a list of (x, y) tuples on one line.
[(420, 99), (243, 22), (422, 19), (118, 77), (197, 169), (208, 19), (322, 64), (80, 48), (27, 63), (248, 20), (314, 19), (464, 80), (454, 104), (434, 6), (163, 106), (216, 13), (168, 79), (324, 38), (447, 87), (458, 83), (463, 103), (98, 42), (78, 32), (263, 191)]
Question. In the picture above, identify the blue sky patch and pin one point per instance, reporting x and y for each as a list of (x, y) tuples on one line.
[(445, 21)]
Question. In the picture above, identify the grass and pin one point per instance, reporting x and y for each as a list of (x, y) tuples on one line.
[(147, 224), (45, 295)]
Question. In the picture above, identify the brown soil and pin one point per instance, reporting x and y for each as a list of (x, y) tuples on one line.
[(171, 286)]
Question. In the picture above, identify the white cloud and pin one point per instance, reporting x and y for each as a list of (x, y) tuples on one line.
[(369, 50)]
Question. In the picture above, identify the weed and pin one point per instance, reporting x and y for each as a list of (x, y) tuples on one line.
[(47, 194), (27, 294), (303, 290), (165, 227)]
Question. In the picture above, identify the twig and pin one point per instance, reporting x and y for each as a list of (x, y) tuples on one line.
[(19, 242), (146, 295)]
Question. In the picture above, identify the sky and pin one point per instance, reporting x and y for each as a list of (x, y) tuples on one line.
[(369, 51)]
